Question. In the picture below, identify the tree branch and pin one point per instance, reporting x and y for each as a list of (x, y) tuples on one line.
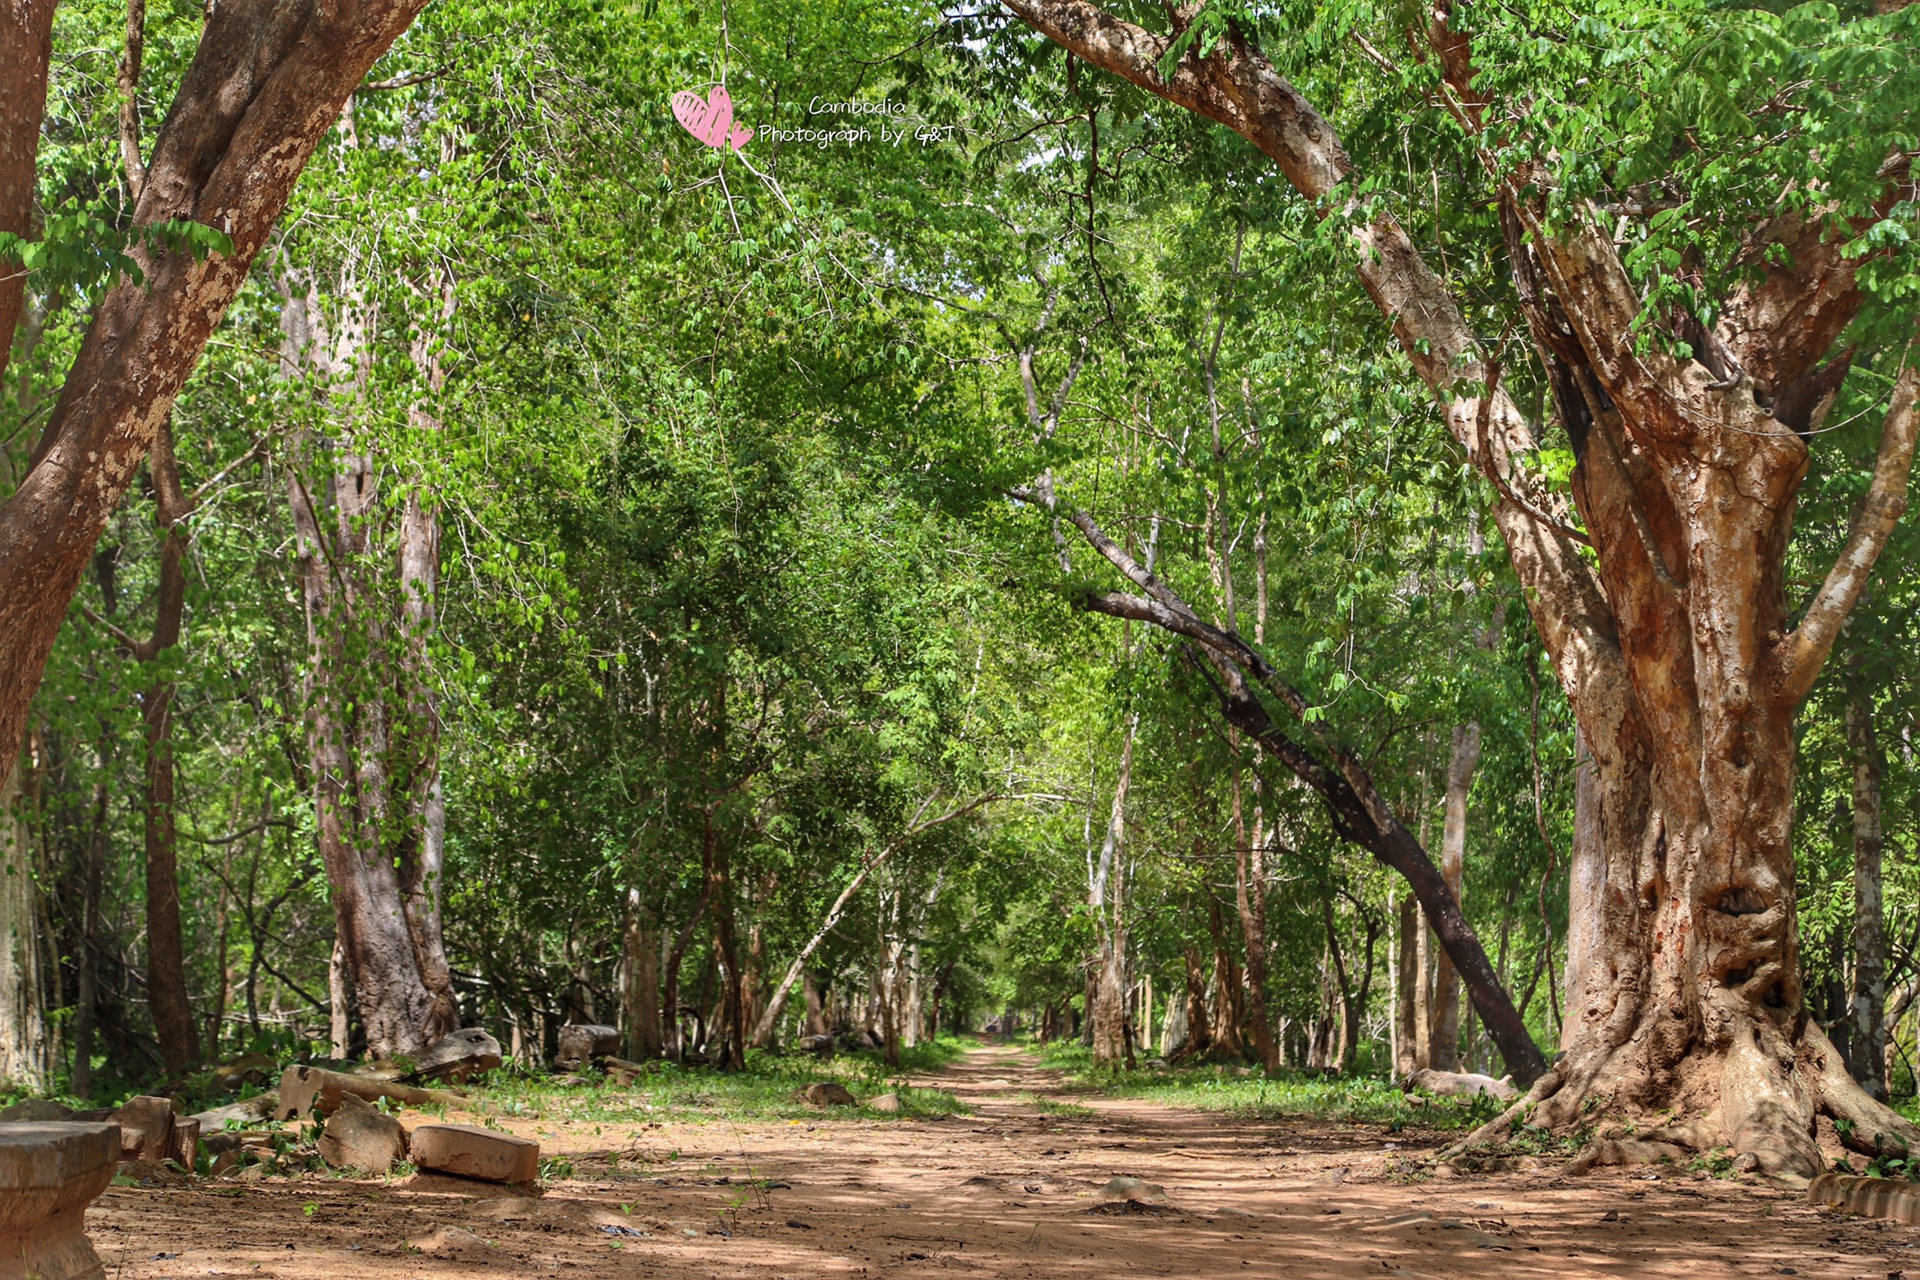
[(1881, 509)]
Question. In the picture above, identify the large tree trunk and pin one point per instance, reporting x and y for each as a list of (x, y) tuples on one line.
[(1676, 648), (1867, 1038), (377, 851), (265, 84), (1443, 1046)]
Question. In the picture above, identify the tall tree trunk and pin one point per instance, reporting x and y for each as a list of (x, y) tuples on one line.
[(1199, 1034), (1250, 897), (1227, 1044), (1868, 1039), (91, 871), (641, 1005), (26, 1041), (264, 86), (1443, 1046), (1410, 1033), (380, 831), (26, 52), (1107, 896), (166, 948), (421, 837)]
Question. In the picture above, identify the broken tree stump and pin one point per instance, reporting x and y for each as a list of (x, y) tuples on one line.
[(49, 1173), (304, 1089)]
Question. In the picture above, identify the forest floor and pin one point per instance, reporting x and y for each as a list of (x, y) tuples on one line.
[(1011, 1189)]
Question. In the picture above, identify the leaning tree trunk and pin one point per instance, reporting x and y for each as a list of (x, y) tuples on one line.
[(1676, 647), (1867, 1032), (1443, 1045)]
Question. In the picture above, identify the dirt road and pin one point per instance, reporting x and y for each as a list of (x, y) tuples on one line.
[(1012, 1190)]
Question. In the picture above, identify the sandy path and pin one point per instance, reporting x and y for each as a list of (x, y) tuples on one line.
[(1004, 1192)]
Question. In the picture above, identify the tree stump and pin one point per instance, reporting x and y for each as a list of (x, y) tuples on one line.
[(49, 1173)]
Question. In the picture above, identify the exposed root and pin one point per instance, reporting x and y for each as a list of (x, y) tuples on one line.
[(1759, 1108)]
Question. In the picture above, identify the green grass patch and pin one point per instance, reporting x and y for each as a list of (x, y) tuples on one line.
[(768, 1089), (1291, 1094)]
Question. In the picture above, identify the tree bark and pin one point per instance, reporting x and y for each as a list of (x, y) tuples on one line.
[(1106, 896), (1410, 1034), (379, 838), (1867, 1041), (1676, 648), (1443, 1049), (1586, 885), (1226, 1016), (1199, 1034), (641, 1012), (26, 52), (265, 84), (1250, 898), (26, 1041), (166, 947)]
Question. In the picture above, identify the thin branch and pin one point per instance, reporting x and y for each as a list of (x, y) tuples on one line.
[(1807, 648), (403, 82)]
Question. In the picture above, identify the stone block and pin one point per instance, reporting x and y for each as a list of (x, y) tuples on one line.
[(362, 1137), (827, 1094), (146, 1128), (184, 1148), (473, 1152), (581, 1042), (49, 1173)]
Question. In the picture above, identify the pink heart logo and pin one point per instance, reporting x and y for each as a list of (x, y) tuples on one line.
[(710, 119)]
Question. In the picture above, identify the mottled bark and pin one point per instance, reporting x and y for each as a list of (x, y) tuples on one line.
[(1586, 885), (1199, 1034), (1225, 1017), (1867, 1038)]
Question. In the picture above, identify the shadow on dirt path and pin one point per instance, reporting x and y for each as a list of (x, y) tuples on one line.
[(1012, 1189)]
